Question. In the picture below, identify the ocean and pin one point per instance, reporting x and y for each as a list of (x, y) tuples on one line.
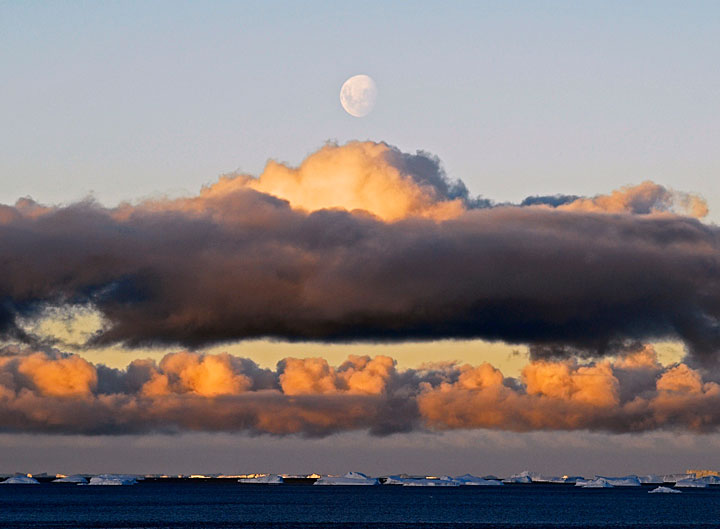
[(187, 505)]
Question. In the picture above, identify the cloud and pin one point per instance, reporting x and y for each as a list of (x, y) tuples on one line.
[(356, 244), (643, 199), (52, 392)]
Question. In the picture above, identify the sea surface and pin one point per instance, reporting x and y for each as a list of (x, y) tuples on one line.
[(159, 505)]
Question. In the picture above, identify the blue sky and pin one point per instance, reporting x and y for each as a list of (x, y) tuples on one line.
[(130, 99)]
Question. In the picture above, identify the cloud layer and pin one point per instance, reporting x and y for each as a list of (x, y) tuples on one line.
[(364, 242), (51, 392)]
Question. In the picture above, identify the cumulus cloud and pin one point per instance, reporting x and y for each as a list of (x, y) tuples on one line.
[(365, 242), (61, 393)]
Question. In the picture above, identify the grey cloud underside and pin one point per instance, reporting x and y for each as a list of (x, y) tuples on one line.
[(253, 267)]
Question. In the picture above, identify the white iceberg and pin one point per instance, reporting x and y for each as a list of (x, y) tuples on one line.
[(599, 483), (351, 478), (469, 479), (651, 479), (711, 480), (572, 479), (674, 478), (691, 483), (518, 479), (626, 481), (113, 479), (396, 480), (424, 482), (75, 478), (20, 480), (664, 490), (270, 479)]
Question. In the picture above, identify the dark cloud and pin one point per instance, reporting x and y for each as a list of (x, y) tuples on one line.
[(234, 263)]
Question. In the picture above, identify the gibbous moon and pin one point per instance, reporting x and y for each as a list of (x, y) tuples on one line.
[(358, 95)]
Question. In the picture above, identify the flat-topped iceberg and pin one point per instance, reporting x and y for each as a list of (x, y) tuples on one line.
[(270, 479), (691, 483), (469, 479), (664, 490), (20, 480), (75, 478), (351, 478)]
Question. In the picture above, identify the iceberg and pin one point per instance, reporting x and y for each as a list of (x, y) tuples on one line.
[(691, 483), (572, 479), (651, 479), (396, 480), (626, 481), (20, 480), (469, 479), (75, 478), (599, 483), (351, 478), (664, 490), (113, 479), (711, 480), (270, 479), (523, 477), (673, 478), (424, 482), (518, 479)]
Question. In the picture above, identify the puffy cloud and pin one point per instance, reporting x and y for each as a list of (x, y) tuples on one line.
[(206, 375), (255, 258), (681, 379), (60, 393), (593, 385), (59, 377)]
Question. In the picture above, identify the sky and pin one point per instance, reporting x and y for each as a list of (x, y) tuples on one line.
[(201, 245)]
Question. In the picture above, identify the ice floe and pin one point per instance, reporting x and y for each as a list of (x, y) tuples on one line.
[(664, 490)]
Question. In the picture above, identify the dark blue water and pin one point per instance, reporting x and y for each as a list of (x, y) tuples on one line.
[(230, 505)]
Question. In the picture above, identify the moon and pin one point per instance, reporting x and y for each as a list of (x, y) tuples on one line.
[(358, 95)]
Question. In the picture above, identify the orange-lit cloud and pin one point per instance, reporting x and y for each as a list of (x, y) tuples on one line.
[(53, 392), (645, 198)]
